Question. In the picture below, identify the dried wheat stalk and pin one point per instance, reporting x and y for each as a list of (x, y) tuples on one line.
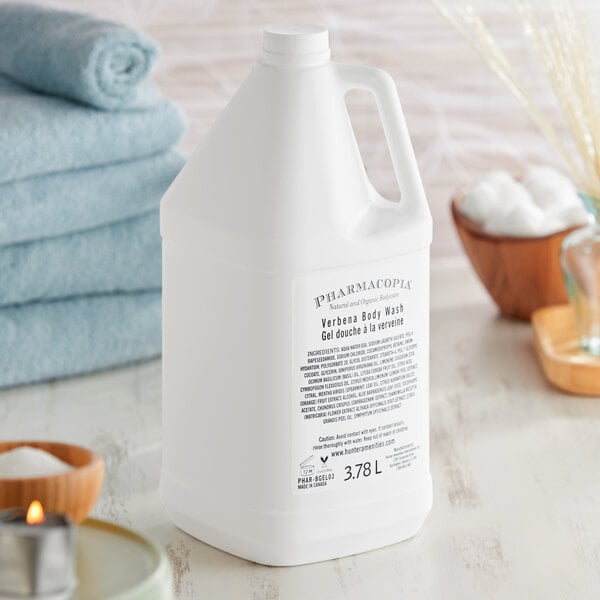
[(565, 53)]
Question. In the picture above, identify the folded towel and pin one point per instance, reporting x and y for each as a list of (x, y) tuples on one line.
[(77, 56), (52, 205), (45, 134), (122, 257), (46, 340)]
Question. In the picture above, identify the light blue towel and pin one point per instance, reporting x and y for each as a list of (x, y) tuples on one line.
[(45, 134), (122, 257), (76, 56), (47, 340), (52, 205)]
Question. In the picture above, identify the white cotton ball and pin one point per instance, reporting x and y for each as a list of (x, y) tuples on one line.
[(512, 192), (522, 220), (573, 216), (481, 202), (552, 225), (491, 202), (550, 189), (544, 203)]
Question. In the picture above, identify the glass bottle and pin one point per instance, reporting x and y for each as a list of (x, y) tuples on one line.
[(580, 262)]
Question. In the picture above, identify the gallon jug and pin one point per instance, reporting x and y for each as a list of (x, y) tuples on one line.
[(296, 321)]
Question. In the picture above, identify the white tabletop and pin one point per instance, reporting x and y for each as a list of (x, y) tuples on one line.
[(515, 466)]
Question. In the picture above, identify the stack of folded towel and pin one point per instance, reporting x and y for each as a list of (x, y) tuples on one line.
[(85, 156)]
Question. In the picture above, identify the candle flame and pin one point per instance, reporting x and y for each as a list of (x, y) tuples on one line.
[(35, 513)]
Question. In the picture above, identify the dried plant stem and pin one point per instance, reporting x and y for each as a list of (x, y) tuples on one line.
[(564, 50)]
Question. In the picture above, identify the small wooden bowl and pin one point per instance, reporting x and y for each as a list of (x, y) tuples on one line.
[(520, 274), (73, 493)]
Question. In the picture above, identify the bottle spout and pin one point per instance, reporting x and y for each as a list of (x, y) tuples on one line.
[(295, 45)]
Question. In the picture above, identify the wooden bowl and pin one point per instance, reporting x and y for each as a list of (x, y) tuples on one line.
[(73, 493), (520, 274)]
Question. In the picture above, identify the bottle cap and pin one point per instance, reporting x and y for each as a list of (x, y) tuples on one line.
[(289, 44)]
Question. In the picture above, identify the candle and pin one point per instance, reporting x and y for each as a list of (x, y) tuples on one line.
[(36, 554)]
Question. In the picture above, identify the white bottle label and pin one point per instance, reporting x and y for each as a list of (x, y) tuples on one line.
[(360, 373)]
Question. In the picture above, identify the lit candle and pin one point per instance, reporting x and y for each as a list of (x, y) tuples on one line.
[(36, 554)]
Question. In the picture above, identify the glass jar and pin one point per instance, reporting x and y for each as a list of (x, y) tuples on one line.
[(580, 262)]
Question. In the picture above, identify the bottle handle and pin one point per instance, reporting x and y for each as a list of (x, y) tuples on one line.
[(383, 88)]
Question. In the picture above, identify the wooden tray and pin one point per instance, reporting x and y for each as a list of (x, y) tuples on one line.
[(557, 346)]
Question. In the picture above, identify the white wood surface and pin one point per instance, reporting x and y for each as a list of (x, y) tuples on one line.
[(515, 466)]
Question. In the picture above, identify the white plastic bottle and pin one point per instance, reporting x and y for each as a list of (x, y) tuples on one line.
[(296, 315)]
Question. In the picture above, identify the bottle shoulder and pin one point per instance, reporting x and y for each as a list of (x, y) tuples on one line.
[(282, 250)]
